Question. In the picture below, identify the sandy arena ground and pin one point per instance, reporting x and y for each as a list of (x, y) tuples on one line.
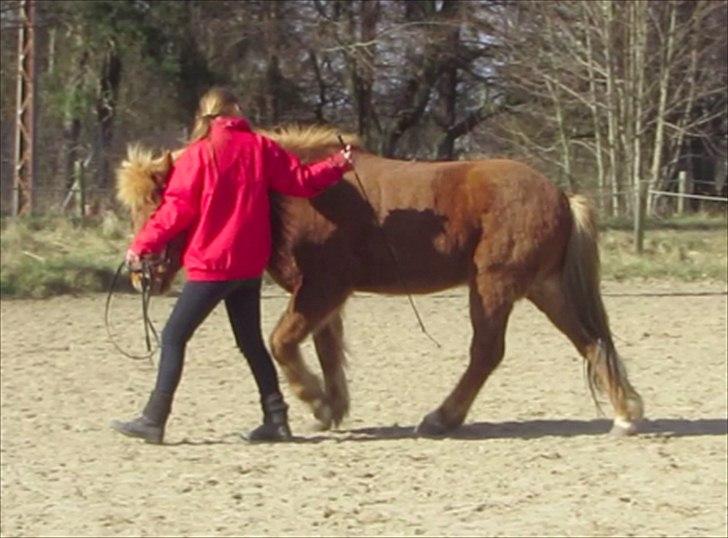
[(532, 459)]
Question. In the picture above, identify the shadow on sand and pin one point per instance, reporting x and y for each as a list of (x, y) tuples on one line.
[(527, 429), (531, 429)]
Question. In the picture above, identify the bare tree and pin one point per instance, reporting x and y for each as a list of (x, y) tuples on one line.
[(624, 80)]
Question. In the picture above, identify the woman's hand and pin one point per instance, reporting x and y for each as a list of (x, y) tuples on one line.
[(133, 260), (345, 159)]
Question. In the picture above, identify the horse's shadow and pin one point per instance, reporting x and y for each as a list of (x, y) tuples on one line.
[(527, 429), (533, 429)]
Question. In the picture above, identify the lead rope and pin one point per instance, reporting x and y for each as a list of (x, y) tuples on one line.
[(391, 251), (146, 321)]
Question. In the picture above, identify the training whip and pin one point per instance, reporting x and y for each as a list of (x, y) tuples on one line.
[(390, 249)]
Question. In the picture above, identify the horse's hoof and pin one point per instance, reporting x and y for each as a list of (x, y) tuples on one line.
[(324, 416), (432, 425), (318, 426), (623, 428), (338, 412)]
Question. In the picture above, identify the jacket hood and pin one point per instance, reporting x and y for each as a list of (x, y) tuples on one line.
[(231, 122)]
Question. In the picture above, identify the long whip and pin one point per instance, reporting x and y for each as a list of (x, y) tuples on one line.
[(391, 250)]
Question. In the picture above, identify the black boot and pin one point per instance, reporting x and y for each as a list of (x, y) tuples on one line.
[(275, 421), (150, 425)]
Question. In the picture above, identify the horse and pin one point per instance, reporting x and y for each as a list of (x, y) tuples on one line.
[(404, 227)]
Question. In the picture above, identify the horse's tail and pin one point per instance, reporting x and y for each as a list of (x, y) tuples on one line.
[(581, 283)]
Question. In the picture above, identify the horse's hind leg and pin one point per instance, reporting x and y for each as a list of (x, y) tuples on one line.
[(491, 301), (329, 342), (609, 374), (307, 310)]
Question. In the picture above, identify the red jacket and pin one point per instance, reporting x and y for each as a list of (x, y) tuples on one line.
[(221, 201)]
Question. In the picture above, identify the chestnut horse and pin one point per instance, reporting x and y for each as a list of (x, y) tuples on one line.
[(497, 226)]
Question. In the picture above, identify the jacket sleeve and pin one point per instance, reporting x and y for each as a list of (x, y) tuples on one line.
[(180, 205), (288, 175)]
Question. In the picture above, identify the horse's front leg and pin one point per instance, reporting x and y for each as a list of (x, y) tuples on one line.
[(308, 309), (329, 342)]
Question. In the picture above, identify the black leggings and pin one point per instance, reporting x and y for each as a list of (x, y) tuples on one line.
[(242, 301)]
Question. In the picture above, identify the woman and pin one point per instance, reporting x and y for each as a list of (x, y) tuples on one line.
[(217, 195)]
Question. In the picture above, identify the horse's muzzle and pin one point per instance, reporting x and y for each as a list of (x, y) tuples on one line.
[(152, 277)]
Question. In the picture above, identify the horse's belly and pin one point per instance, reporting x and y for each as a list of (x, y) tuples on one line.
[(409, 287), (398, 276)]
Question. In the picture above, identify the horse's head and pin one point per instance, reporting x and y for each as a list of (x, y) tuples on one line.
[(141, 178)]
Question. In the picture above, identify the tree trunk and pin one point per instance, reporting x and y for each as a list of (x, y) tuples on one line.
[(71, 120), (563, 137), (362, 70), (109, 81), (639, 44), (665, 74), (448, 104), (418, 89), (598, 143), (612, 107), (625, 86), (684, 118), (273, 70), (322, 98)]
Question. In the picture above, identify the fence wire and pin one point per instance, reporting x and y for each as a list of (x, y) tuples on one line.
[(55, 200)]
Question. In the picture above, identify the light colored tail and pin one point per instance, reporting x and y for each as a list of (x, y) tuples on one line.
[(581, 282)]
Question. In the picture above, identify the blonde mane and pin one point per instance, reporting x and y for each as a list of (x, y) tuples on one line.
[(309, 142), (140, 176)]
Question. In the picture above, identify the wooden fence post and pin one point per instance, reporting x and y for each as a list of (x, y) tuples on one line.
[(79, 182), (640, 195)]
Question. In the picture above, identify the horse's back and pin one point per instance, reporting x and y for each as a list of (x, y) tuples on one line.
[(500, 194), (450, 185), (446, 219), (507, 215)]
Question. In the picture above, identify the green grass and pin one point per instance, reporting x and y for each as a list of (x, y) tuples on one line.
[(689, 248), (44, 256), (48, 256), (688, 222)]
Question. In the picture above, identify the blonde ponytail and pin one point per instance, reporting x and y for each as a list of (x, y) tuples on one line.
[(216, 102)]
